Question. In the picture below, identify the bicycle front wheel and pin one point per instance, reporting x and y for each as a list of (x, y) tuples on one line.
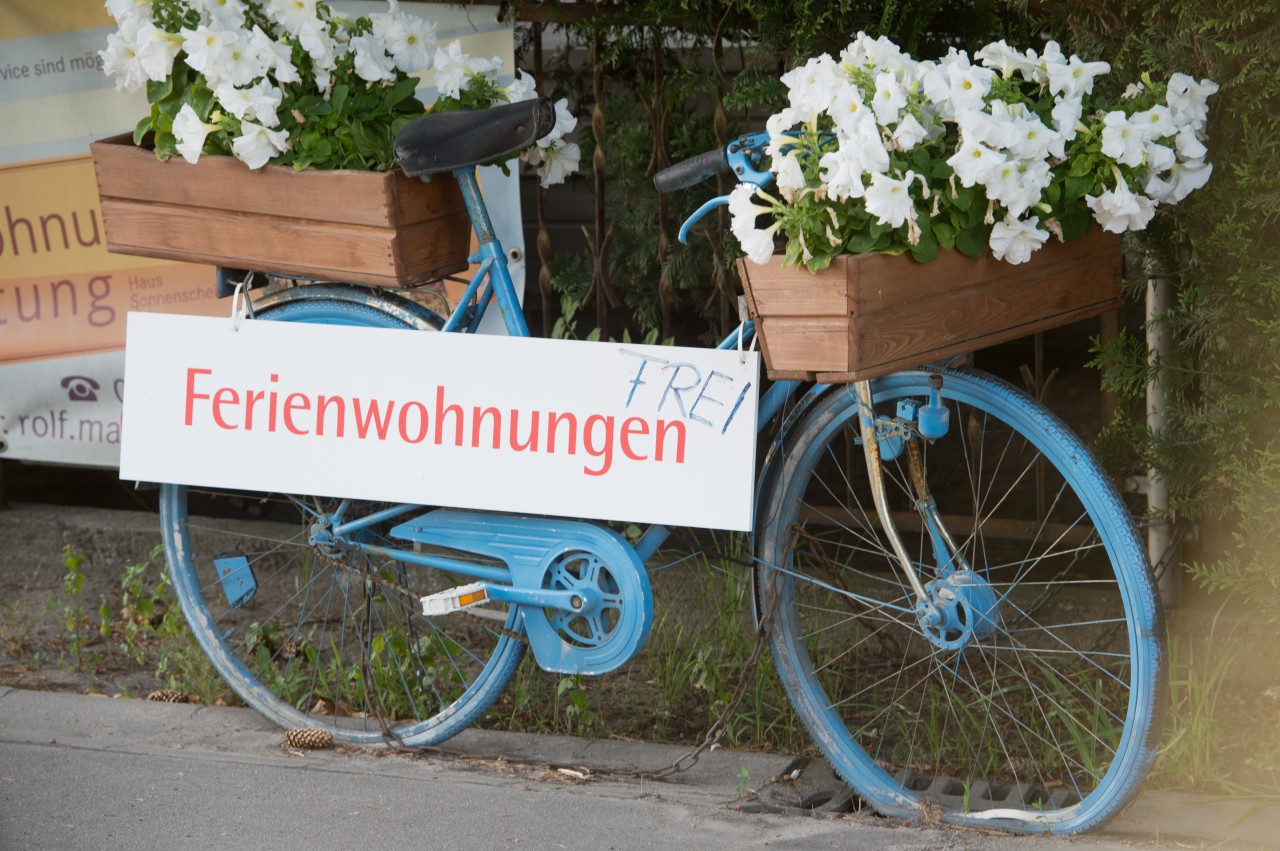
[(332, 637), (1030, 699)]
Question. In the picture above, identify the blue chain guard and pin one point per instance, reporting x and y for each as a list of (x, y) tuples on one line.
[(536, 548)]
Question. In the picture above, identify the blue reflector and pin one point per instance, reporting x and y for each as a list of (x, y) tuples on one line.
[(238, 581)]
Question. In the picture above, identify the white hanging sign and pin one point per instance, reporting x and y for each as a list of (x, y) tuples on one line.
[(607, 431)]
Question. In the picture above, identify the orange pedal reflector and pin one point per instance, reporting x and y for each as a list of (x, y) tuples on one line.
[(455, 599)]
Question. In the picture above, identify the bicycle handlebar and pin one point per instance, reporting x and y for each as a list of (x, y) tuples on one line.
[(691, 171)]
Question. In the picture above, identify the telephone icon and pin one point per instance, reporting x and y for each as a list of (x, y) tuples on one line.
[(81, 388)]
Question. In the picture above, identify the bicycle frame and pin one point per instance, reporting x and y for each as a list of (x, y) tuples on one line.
[(492, 282)]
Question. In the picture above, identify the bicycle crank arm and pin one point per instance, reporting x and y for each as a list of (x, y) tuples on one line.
[(465, 596)]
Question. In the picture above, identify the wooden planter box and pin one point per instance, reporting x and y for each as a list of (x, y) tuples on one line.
[(867, 315), (364, 227)]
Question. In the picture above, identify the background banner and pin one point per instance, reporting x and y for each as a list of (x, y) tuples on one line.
[(63, 298)]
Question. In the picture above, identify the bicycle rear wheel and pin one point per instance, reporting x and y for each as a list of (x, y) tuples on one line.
[(332, 637), (1035, 705)]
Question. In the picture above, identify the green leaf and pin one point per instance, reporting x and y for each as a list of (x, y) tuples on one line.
[(972, 241), (338, 97), (141, 129), (158, 90), (402, 91), (945, 233), (861, 242), (921, 160), (926, 250), (1076, 224), (1077, 187)]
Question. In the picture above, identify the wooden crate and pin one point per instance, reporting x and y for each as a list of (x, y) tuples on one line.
[(871, 314), (366, 227)]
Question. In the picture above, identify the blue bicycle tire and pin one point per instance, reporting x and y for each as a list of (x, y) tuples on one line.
[(1039, 713), (331, 641)]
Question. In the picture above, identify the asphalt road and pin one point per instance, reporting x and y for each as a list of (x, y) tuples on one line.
[(91, 772)]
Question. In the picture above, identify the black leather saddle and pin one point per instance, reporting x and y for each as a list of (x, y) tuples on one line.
[(444, 141)]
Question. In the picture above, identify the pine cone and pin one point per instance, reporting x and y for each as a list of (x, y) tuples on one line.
[(168, 695), (308, 738), (289, 648)]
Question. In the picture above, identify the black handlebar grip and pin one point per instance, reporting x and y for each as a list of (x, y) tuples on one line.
[(691, 171)]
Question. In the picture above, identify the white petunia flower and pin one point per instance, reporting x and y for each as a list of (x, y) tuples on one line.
[(889, 99), (1075, 78), (1052, 57), (969, 84), (777, 126), (995, 129), (205, 48), (790, 175), (450, 65), (883, 53), (120, 59), (244, 60), (889, 200), (256, 145), (222, 14), (1122, 139), (410, 41), (129, 11), (558, 162), (1189, 145), (259, 102), (1159, 158), (523, 87), (847, 111), (1066, 116), (1016, 186), (278, 55), (1034, 141), (294, 15), (758, 244), (156, 50), (565, 120), (842, 171), (372, 62), (974, 163), (190, 132), (1183, 179), (1189, 99), (1158, 121), (999, 56), (1119, 210), (812, 87), (743, 210), (1015, 241), (909, 133)]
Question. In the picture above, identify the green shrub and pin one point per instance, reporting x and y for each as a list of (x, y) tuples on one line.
[(1220, 453)]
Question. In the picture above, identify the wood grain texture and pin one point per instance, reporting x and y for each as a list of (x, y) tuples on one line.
[(871, 314), (366, 227)]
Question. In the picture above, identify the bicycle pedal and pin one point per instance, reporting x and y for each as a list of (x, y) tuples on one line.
[(454, 600)]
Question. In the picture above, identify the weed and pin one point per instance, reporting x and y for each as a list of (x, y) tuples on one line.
[(578, 718), (743, 789), (15, 629), (74, 619), (1189, 754)]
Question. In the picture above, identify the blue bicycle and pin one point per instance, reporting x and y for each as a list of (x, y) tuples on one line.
[(955, 597)]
